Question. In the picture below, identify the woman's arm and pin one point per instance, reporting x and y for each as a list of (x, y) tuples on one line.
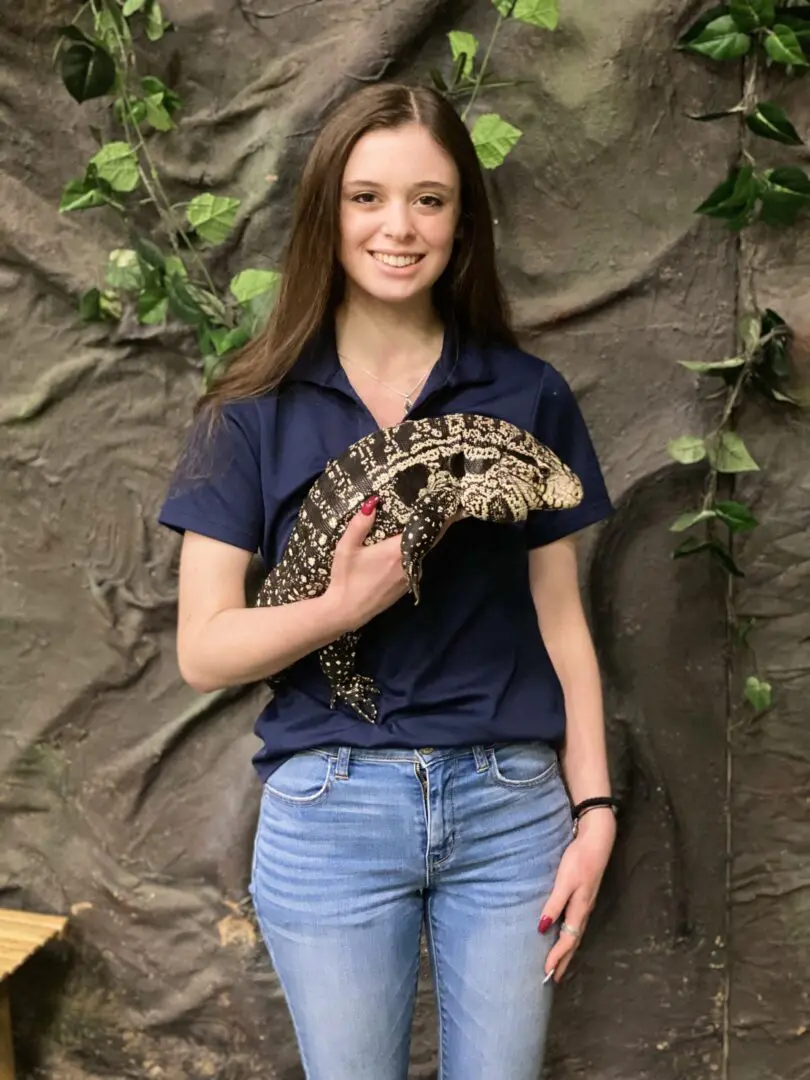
[(555, 590), (221, 642)]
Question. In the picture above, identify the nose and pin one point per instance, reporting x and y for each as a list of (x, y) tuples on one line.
[(398, 221)]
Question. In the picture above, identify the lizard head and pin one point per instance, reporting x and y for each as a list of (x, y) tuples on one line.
[(536, 477)]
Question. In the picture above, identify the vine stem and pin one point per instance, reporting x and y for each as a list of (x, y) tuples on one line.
[(482, 70), (149, 174), (745, 298)]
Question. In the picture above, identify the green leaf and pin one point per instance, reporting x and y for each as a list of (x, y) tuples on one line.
[(88, 71), (733, 201), (466, 45), (249, 284), (722, 555), (721, 40), (155, 23), (752, 14), (758, 693), (226, 341), (687, 449), (728, 454), (693, 517), (713, 367), (736, 515), (131, 6), (784, 47), (212, 216), (542, 13), (700, 24), (493, 139), (110, 306), (504, 7), (152, 306), (156, 114), (691, 546), (124, 270), (182, 302), (771, 122), (90, 307), (212, 365), (438, 80), (80, 194), (149, 253), (799, 26), (775, 351), (784, 193), (151, 85), (175, 267), (116, 163)]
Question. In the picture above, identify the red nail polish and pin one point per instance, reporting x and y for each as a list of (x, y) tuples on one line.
[(370, 505), (544, 924)]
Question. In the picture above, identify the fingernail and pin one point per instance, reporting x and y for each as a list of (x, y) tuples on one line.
[(544, 924), (549, 977), (370, 505)]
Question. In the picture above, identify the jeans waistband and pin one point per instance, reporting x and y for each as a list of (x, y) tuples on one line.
[(424, 755)]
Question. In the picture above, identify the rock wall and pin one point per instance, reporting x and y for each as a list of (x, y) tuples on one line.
[(130, 801)]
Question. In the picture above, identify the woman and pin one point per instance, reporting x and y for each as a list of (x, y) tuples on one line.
[(449, 812)]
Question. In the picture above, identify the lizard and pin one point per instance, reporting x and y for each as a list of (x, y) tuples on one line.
[(425, 471)]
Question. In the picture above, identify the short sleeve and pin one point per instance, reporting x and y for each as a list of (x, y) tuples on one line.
[(559, 425), (216, 489)]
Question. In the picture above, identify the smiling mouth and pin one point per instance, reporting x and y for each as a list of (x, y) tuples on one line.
[(396, 260)]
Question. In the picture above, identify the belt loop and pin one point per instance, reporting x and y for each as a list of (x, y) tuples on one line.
[(342, 767), (481, 759)]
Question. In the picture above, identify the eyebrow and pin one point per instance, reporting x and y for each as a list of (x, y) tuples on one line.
[(433, 185)]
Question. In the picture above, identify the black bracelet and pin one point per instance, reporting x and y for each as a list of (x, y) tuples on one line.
[(590, 804)]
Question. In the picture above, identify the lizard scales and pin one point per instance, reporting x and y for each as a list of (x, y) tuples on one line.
[(425, 471)]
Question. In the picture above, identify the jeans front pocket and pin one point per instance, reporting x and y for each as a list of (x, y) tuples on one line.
[(303, 779), (522, 765)]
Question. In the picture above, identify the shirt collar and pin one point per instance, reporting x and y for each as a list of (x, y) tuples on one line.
[(463, 362)]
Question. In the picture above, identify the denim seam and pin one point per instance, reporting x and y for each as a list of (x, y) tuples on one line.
[(435, 963), (270, 792), (452, 844), (521, 785)]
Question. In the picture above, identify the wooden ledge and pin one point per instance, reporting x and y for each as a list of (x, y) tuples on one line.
[(22, 933)]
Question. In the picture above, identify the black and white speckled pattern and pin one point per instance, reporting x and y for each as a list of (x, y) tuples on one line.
[(424, 471)]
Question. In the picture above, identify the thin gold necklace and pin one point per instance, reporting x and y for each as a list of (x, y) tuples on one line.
[(408, 399)]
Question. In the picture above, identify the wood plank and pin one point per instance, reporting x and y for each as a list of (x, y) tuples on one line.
[(6, 1047), (21, 934)]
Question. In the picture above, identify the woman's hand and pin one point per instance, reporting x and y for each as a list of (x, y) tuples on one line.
[(366, 579), (576, 885)]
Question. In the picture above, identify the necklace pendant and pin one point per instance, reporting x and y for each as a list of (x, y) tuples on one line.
[(408, 404)]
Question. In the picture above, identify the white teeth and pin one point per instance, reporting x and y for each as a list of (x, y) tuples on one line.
[(396, 260)]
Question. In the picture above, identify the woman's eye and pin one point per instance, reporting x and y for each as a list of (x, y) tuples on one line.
[(362, 196), (431, 200)]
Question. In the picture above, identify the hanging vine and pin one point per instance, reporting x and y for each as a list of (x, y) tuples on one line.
[(774, 36)]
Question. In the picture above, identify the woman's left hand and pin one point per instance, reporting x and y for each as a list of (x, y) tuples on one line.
[(576, 885)]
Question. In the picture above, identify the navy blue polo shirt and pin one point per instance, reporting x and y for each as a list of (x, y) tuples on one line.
[(467, 664)]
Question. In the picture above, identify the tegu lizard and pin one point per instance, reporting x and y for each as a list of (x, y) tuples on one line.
[(425, 472)]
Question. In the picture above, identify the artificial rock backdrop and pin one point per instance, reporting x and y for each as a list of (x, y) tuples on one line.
[(129, 801)]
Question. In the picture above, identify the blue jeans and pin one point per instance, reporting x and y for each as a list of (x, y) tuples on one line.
[(356, 850)]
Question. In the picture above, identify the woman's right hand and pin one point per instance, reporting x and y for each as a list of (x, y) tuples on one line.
[(366, 579)]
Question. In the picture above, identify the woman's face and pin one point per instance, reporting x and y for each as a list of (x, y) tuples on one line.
[(399, 208)]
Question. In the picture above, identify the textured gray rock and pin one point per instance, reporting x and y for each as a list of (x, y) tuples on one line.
[(124, 796)]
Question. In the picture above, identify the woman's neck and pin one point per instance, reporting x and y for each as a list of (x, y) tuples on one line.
[(390, 340)]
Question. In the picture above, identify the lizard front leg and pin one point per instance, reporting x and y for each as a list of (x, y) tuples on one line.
[(431, 511)]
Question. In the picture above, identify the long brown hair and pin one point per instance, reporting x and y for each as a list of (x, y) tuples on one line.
[(468, 294)]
